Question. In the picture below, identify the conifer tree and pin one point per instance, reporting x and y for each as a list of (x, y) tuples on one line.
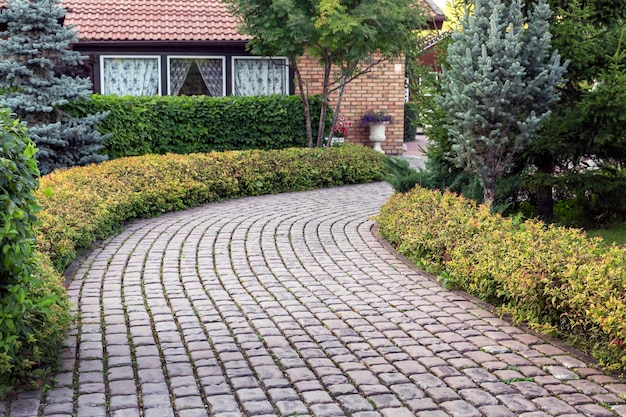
[(499, 86), (34, 43), (581, 152)]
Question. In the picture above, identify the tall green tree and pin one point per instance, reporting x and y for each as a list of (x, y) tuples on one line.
[(33, 45), (498, 87), (582, 149), (348, 37)]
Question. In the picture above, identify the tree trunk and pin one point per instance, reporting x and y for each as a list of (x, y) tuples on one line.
[(336, 111), (545, 199), (489, 194), (305, 101), (325, 99)]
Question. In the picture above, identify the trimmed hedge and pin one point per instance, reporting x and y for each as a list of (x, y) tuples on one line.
[(553, 278), (34, 308), (85, 204), (196, 124)]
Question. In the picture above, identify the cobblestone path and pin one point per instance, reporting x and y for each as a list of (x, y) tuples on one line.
[(288, 305)]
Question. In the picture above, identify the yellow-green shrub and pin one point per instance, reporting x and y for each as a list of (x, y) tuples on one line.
[(553, 278), (85, 204)]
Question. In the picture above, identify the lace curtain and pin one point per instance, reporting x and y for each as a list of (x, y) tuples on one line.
[(179, 68), (259, 77), (211, 72), (131, 76)]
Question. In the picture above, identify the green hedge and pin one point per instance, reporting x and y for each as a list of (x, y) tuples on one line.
[(194, 124), (34, 309), (553, 278), (84, 204)]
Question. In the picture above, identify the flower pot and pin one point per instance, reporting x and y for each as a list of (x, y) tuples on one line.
[(377, 134), (335, 140)]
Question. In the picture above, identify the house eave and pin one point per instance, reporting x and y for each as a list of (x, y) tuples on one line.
[(133, 45)]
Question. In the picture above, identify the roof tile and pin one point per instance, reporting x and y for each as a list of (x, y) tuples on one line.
[(159, 20), (156, 20)]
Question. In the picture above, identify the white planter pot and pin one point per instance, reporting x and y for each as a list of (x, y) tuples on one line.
[(333, 141), (377, 134)]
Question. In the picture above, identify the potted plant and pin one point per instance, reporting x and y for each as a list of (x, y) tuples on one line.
[(340, 131), (377, 122)]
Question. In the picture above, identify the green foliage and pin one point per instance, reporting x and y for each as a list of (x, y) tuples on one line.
[(499, 86), (84, 204), (34, 311), (588, 124), (571, 172), (18, 180), (34, 318), (347, 37), (553, 278), (410, 121), (440, 172), (611, 234), (400, 175), (186, 124), (33, 47)]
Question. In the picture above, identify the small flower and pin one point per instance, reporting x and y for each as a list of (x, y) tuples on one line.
[(376, 117), (340, 130)]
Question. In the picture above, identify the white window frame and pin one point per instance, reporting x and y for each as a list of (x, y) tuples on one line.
[(271, 58), (157, 57), (223, 58)]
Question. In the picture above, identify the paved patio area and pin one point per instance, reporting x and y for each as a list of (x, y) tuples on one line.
[(288, 305)]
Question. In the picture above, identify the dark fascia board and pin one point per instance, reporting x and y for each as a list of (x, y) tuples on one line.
[(161, 46)]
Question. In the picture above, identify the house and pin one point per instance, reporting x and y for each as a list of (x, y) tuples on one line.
[(173, 47)]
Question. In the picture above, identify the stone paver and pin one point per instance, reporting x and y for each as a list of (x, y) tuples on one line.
[(289, 304)]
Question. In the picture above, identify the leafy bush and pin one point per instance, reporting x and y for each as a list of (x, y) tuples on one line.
[(193, 124), (34, 310), (400, 174), (84, 204), (553, 278)]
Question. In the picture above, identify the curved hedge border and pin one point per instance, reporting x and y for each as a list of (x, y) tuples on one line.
[(553, 278), (85, 204)]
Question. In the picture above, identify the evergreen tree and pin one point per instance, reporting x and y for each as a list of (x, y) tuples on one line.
[(582, 149), (33, 45), (498, 87)]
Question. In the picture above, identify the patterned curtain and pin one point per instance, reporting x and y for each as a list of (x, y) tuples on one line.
[(211, 72), (179, 68), (131, 76), (259, 77)]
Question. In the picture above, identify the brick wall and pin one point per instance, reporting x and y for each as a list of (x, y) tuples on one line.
[(381, 89)]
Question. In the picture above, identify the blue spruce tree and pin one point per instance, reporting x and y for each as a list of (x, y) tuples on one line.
[(499, 86), (35, 43)]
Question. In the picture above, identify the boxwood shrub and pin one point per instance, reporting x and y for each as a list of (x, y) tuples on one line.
[(193, 124), (553, 278)]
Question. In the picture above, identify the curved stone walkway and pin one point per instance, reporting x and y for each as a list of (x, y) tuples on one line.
[(288, 305)]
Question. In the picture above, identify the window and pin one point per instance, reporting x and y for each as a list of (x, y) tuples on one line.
[(142, 75), (196, 76), (130, 75), (254, 76)]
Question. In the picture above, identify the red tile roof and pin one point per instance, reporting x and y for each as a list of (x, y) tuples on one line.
[(154, 20), (161, 20)]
